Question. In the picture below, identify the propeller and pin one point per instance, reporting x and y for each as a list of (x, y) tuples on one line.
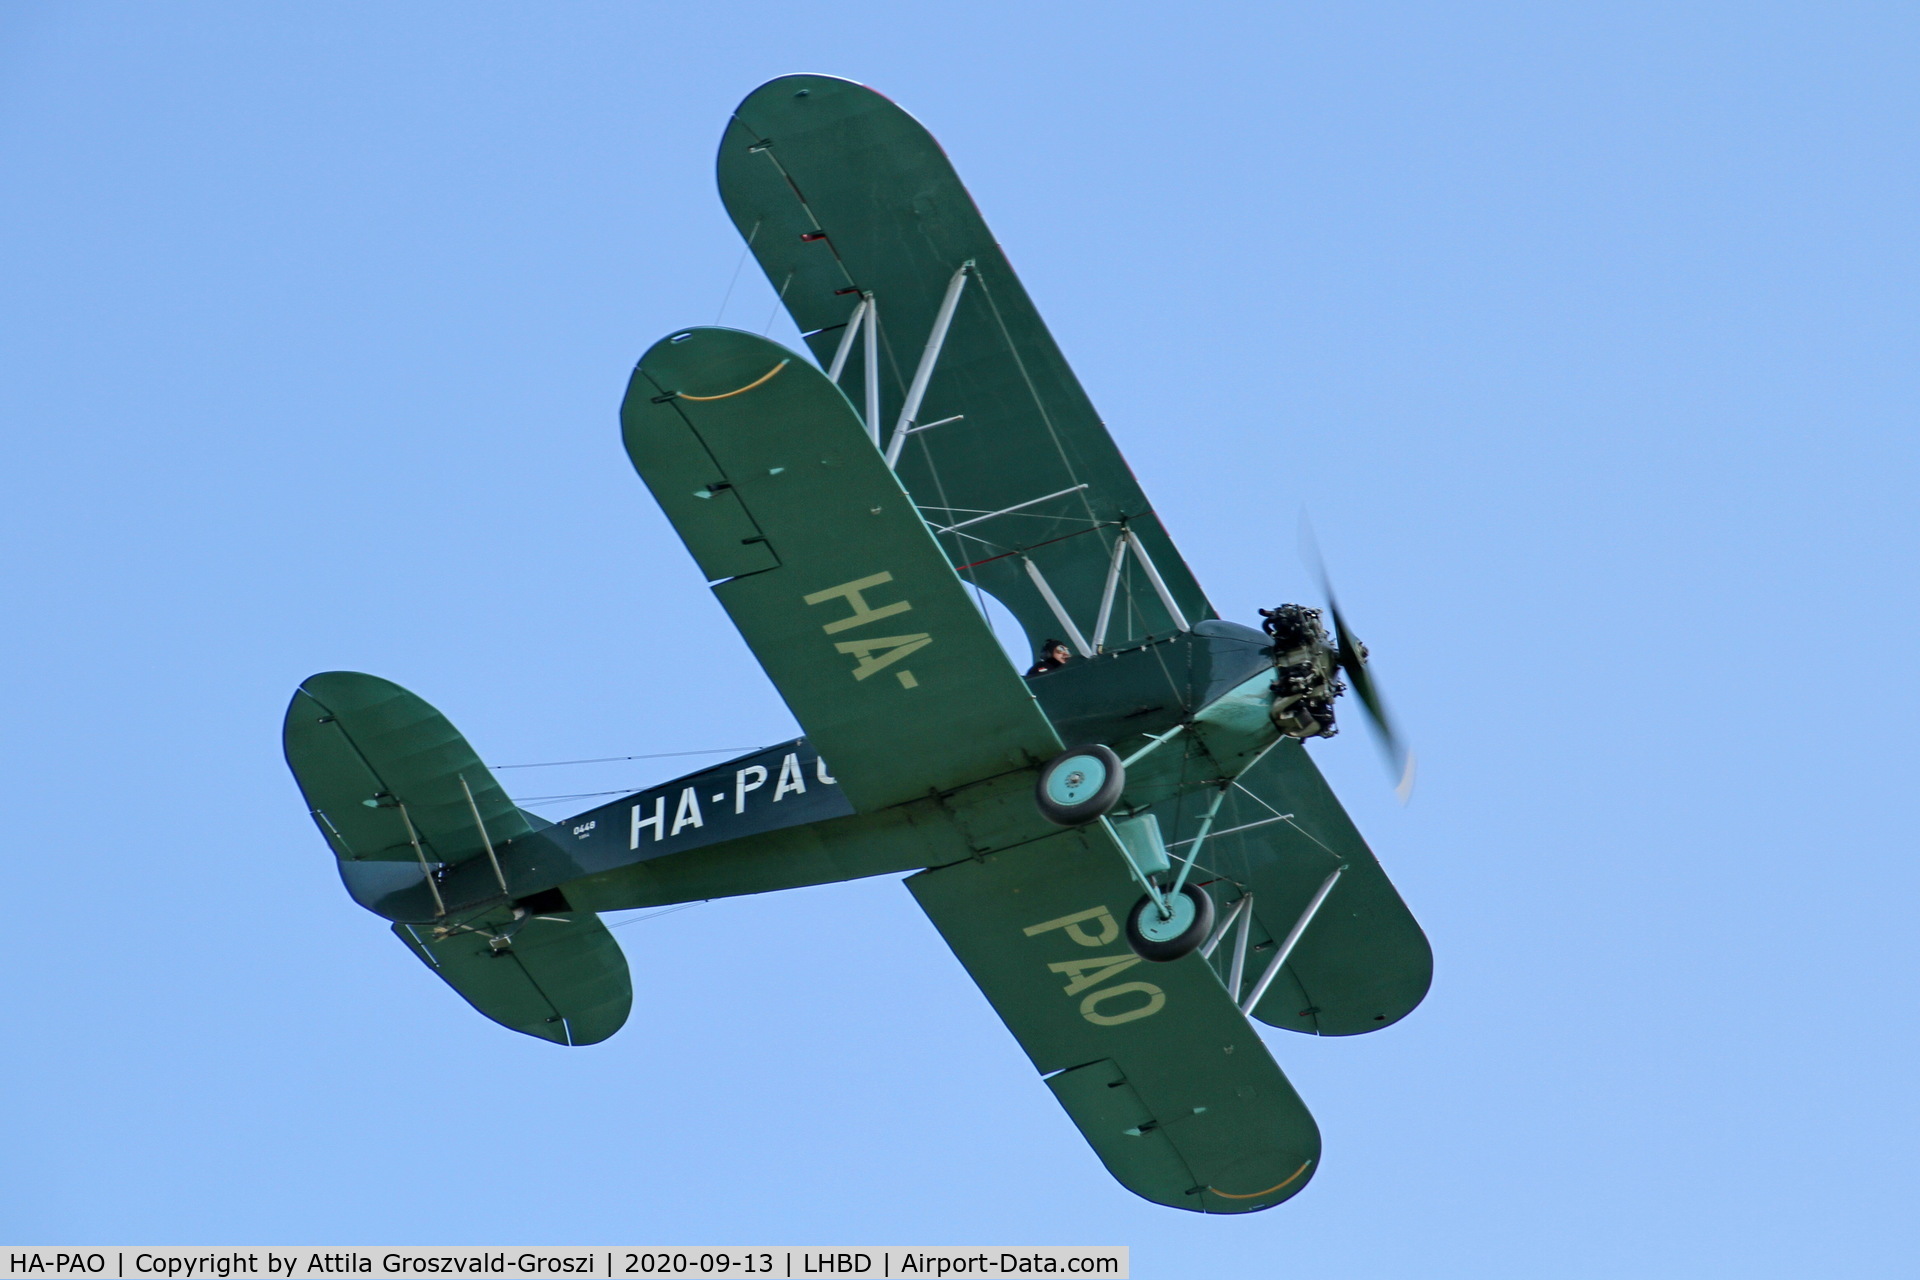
[(1351, 656)]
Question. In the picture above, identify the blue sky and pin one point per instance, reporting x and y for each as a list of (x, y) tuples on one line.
[(1586, 332)]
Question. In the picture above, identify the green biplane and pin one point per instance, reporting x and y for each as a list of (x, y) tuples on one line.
[(1129, 850)]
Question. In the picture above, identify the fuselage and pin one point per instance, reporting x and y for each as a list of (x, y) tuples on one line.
[(776, 818)]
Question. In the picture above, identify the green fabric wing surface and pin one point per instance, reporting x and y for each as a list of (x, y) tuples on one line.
[(371, 758), (361, 747), (839, 589), (841, 194), (1363, 963), (561, 978), (1170, 1085)]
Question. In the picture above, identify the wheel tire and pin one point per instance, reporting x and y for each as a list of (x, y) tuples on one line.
[(1079, 785), (1155, 939)]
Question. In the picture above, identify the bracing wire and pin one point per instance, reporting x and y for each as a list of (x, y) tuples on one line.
[(1283, 817), (655, 915), (727, 297), (778, 302), (656, 755), (574, 795)]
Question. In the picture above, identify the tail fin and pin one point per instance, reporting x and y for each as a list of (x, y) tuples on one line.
[(422, 831)]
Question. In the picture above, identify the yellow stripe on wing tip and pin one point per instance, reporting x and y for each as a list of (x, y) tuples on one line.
[(738, 391), (1255, 1195)]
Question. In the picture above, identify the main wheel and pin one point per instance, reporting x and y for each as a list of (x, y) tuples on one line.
[(1156, 937), (1079, 785)]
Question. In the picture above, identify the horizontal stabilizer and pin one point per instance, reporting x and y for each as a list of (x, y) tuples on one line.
[(559, 977), (392, 785)]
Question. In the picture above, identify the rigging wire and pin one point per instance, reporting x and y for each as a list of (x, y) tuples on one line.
[(778, 302), (735, 279), (1033, 391), (1284, 817), (655, 915), (574, 795), (655, 755)]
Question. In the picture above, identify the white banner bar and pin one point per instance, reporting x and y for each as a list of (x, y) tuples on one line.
[(286, 1262)]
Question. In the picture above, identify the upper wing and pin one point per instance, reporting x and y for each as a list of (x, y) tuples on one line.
[(848, 202), (831, 575), (1167, 1081), (1362, 963)]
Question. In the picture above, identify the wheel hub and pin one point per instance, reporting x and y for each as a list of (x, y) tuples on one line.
[(1156, 927), (1076, 780)]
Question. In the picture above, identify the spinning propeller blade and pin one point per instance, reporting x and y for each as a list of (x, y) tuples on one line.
[(1351, 655)]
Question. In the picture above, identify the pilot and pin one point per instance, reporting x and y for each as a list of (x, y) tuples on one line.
[(1054, 655)]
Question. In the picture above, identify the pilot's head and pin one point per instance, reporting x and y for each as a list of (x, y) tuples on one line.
[(1056, 652)]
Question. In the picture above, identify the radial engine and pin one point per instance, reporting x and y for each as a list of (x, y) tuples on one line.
[(1306, 672)]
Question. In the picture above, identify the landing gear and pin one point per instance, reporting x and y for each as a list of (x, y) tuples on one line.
[(1154, 936), (1078, 786)]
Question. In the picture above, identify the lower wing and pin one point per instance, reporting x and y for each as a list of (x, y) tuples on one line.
[(1165, 1078), (827, 568)]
